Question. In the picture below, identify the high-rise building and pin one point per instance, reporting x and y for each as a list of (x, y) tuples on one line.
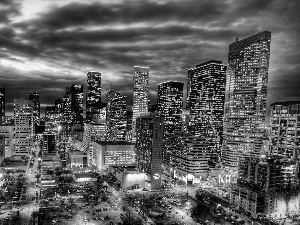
[(93, 94), (50, 116), (149, 147), (59, 111), (8, 133), (267, 187), (116, 116), (2, 105), (23, 127), (245, 98), (169, 104), (67, 111), (186, 155), (77, 103), (49, 143), (35, 98), (205, 102), (285, 129), (140, 95), (2, 148)]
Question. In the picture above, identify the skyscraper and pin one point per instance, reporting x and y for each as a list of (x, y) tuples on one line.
[(77, 103), (245, 98), (116, 116), (66, 110), (34, 97), (22, 127), (93, 94), (169, 104), (2, 105), (149, 147), (205, 102), (140, 94)]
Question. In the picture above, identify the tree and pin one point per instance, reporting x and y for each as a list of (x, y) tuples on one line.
[(201, 212)]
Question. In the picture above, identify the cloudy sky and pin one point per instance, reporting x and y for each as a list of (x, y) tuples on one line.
[(48, 45)]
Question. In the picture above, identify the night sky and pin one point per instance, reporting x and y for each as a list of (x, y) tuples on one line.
[(48, 45)]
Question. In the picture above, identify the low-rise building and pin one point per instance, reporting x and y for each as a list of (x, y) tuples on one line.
[(107, 154), (78, 159)]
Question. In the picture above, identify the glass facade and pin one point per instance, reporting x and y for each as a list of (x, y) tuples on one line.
[(245, 98)]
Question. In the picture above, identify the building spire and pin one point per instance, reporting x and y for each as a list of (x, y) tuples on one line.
[(237, 38)]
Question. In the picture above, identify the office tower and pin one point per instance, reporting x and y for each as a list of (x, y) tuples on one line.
[(140, 95), (205, 102), (77, 104), (8, 133), (186, 155), (93, 133), (116, 116), (50, 122), (93, 94), (49, 144), (67, 111), (169, 104), (245, 98), (2, 148), (2, 106), (129, 115), (267, 187), (59, 116), (185, 120), (35, 98), (285, 129), (23, 127), (149, 147)]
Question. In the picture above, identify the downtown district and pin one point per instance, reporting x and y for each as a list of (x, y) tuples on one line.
[(218, 161)]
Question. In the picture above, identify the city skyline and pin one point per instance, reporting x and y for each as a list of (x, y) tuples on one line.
[(49, 47)]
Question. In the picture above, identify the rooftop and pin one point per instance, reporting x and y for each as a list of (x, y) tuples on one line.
[(286, 103)]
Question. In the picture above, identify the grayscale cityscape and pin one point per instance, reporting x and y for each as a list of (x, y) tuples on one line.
[(149, 112)]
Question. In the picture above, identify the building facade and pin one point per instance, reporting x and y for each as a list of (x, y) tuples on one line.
[(35, 98), (116, 116), (23, 128), (285, 129), (169, 104), (140, 95), (93, 94), (186, 155), (77, 104), (107, 154), (268, 187), (49, 144), (149, 147), (8, 133), (245, 98), (205, 102), (2, 105)]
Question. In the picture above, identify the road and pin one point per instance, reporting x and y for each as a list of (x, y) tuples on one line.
[(120, 197)]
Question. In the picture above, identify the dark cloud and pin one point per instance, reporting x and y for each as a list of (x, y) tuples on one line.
[(8, 9), (60, 44)]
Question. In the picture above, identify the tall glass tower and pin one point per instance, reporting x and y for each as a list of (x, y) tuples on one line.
[(169, 104), (245, 98), (77, 103), (116, 116), (140, 95), (35, 98), (93, 94), (205, 102), (2, 105)]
